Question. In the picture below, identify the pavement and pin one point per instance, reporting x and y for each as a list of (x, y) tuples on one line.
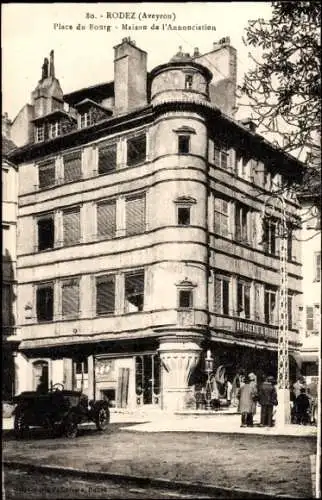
[(154, 421), (225, 421)]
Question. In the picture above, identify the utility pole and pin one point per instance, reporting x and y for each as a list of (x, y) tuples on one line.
[(283, 391)]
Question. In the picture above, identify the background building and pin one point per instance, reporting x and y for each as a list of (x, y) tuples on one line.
[(141, 236), (311, 248), (9, 177)]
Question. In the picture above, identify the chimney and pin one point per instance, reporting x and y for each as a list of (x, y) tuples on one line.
[(48, 95), (222, 62), (196, 52), (6, 126), (130, 76)]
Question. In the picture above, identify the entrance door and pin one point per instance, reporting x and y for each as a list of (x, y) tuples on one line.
[(147, 377), (40, 376)]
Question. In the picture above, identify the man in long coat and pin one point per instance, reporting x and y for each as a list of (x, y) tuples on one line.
[(267, 398), (247, 403)]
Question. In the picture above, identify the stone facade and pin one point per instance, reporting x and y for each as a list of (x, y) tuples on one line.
[(152, 252)]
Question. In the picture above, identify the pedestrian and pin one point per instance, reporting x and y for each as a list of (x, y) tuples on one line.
[(228, 390), (312, 390), (298, 386), (302, 407), (247, 395), (253, 382), (267, 398)]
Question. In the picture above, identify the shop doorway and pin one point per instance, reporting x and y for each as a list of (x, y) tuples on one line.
[(147, 379), (40, 376)]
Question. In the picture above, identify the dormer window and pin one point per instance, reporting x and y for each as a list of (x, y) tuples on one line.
[(86, 119), (40, 133), (54, 130)]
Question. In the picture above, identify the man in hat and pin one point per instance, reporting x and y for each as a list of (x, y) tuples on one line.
[(267, 398)]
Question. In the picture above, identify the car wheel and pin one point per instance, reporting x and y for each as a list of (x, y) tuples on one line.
[(102, 419), (70, 428), (19, 425)]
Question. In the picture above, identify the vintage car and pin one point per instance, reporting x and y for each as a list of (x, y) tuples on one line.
[(59, 411)]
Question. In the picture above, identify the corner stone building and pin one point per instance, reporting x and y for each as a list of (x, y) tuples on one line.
[(139, 232)]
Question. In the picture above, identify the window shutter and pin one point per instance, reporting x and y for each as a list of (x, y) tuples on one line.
[(73, 167), (218, 295), (71, 226), (105, 295), (217, 155), (6, 304), (106, 219), (46, 173), (70, 299), (107, 159), (316, 318), (309, 318), (135, 215)]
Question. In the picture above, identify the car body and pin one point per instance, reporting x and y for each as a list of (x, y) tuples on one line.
[(59, 411)]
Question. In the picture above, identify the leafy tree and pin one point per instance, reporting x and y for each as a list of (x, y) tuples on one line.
[(284, 85)]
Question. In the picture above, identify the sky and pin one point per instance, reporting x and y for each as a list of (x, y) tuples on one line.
[(85, 57)]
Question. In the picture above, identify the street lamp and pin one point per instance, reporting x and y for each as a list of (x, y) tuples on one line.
[(209, 366), (283, 394)]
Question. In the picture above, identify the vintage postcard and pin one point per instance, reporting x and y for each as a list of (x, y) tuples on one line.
[(161, 250)]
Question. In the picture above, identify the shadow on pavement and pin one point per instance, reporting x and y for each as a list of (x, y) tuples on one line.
[(84, 430)]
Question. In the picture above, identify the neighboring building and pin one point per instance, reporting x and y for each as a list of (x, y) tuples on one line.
[(310, 199), (9, 227), (139, 232)]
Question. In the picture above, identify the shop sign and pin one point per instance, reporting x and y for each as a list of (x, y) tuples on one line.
[(254, 330)]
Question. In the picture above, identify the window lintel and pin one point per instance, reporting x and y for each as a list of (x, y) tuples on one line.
[(184, 130)]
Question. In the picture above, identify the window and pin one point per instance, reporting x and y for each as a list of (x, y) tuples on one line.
[(70, 298), (309, 318), (81, 367), (188, 82), (45, 302), (134, 291), (135, 214), (241, 215), (290, 311), (40, 133), (183, 144), (105, 295), (317, 266), (221, 216), (185, 299), (184, 216), (270, 306), (221, 156), (6, 304), (86, 119), (106, 219), (242, 166), (46, 174), (222, 284), (270, 236), (107, 159), (289, 237), (243, 299), (72, 166), (54, 130), (136, 150), (46, 232), (71, 226)]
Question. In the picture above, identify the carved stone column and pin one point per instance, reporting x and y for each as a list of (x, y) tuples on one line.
[(179, 358)]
